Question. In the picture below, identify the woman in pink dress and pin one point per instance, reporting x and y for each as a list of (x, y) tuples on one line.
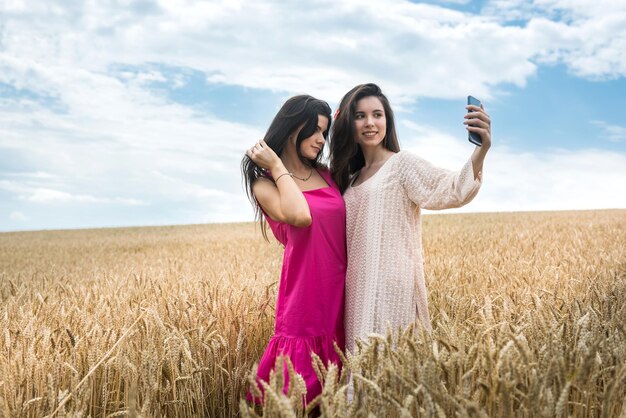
[(295, 194)]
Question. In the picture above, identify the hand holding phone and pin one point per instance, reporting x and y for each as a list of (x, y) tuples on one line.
[(473, 137)]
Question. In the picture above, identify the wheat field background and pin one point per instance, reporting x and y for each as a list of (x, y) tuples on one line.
[(528, 310)]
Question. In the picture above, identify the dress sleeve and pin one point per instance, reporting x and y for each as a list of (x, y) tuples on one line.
[(434, 188)]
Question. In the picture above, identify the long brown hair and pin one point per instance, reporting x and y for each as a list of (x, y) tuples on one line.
[(299, 111), (346, 157)]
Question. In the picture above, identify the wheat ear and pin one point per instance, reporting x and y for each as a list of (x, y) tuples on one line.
[(108, 353)]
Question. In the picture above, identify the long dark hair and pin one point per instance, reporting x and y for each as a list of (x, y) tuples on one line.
[(346, 157), (299, 111)]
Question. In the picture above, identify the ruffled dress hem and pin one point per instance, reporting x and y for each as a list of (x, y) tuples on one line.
[(298, 350)]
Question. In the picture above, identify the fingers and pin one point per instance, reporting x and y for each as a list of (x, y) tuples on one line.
[(474, 108), (477, 117), (481, 131), (477, 123), (253, 153), (475, 111), (481, 115), (260, 153), (257, 147), (485, 134)]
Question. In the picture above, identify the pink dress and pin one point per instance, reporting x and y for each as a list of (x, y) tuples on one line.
[(309, 309)]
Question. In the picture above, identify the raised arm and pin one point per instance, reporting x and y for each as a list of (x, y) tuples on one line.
[(434, 188), (281, 199)]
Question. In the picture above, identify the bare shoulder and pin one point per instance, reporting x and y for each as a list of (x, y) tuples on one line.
[(263, 186)]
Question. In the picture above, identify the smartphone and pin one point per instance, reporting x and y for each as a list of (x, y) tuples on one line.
[(473, 137)]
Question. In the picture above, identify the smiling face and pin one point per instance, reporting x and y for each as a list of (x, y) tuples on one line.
[(310, 147), (370, 123)]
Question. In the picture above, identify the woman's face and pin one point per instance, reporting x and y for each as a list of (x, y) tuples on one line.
[(310, 147), (370, 123)]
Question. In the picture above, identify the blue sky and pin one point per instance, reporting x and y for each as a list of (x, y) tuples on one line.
[(133, 112)]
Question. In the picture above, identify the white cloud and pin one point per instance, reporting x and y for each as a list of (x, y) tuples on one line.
[(50, 196), (25, 192), (567, 10), (458, 2), (613, 133), (32, 175), (589, 36), (17, 216), (181, 188), (112, 137), (324, 47)]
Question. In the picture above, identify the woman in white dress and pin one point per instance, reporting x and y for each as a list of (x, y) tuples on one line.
[(384, 190)]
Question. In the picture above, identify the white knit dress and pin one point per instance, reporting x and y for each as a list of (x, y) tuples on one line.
[(385, 278)]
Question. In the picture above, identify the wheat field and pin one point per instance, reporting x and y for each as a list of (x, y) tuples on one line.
[(528, 310)]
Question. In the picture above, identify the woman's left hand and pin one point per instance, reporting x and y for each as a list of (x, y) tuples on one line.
[(478, 121)]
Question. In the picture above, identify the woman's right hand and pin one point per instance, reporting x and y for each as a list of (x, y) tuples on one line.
[(283, 201), (263, 156)]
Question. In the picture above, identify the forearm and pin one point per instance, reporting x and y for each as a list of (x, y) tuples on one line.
[(293, 204), (435, 188), (478, 158)]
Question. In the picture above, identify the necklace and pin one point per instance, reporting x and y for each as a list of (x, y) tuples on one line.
[(303, 179)]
